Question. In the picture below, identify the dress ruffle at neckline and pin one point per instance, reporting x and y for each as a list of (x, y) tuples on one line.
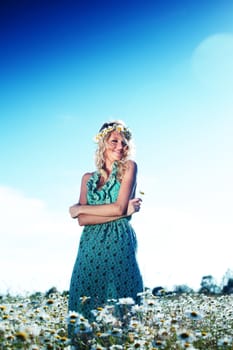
[(101, 194)]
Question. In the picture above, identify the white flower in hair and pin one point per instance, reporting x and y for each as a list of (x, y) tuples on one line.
[(118, 127)]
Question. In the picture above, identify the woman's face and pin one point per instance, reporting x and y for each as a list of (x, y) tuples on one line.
[(115, 147)]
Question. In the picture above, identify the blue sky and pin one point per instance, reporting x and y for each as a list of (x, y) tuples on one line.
[(164, 68)]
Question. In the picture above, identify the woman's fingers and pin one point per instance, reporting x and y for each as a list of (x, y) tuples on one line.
[(137, 204)]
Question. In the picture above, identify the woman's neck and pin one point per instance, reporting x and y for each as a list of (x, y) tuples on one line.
[(108, 167)]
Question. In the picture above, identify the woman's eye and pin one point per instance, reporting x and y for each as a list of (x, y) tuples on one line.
[(115, 142)]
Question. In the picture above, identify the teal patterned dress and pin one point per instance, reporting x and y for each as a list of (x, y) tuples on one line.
[(106, 266)]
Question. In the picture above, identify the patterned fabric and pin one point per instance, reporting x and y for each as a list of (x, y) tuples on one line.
[(106, 266)]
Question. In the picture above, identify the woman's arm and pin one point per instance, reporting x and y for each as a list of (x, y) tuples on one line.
[(115, 209), (85, 219)]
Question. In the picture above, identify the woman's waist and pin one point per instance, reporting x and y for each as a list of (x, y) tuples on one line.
[(116, 222)]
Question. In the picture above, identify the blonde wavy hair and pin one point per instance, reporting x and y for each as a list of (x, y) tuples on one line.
[(102, 137)]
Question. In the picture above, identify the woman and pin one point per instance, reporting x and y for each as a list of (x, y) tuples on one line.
[(106, 266)]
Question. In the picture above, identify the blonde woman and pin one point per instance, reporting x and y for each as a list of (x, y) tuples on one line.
[(106, 266)]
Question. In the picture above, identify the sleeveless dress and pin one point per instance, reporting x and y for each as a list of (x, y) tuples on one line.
[(106, 266)]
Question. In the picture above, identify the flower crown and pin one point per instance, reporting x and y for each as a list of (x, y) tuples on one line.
[(113, 127)]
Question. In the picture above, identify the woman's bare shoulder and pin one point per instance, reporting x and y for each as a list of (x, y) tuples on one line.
[(131, 164), (87, 176)]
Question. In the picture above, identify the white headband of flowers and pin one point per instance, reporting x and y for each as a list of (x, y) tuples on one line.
[(114, 127)]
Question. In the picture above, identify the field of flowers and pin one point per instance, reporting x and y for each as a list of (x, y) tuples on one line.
[(168, 321)]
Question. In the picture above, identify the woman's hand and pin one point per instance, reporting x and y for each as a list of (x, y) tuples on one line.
[(134, 206), (74, 211)]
